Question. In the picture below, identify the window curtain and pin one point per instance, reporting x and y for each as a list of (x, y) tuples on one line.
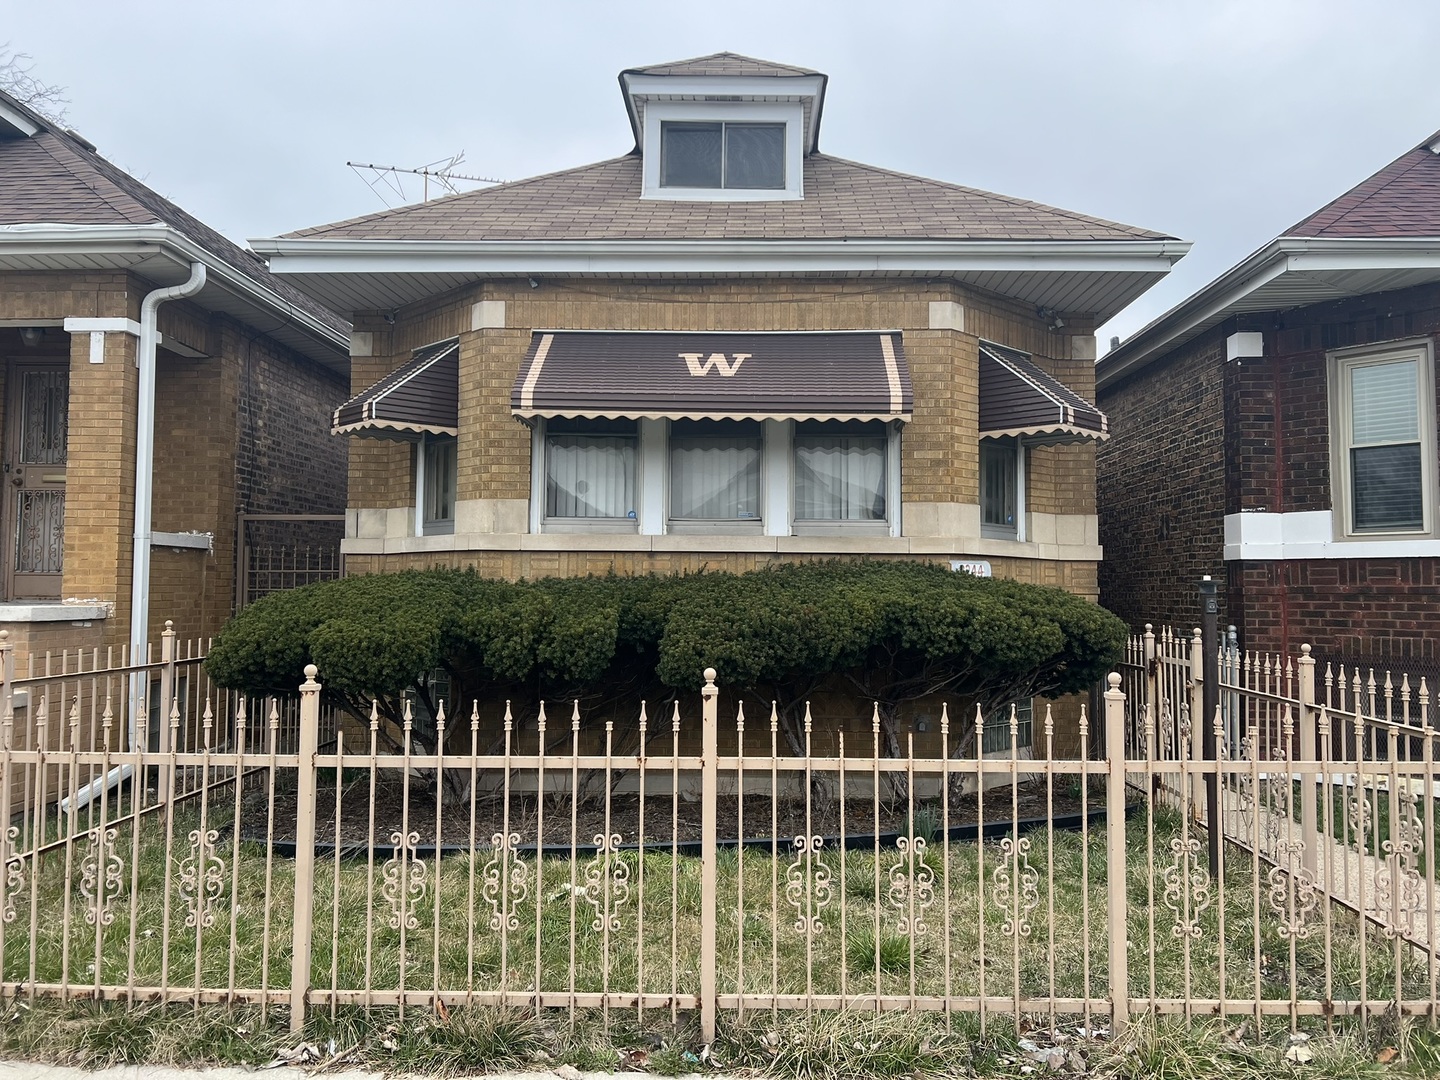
[(997, 483), (839, 478), (439, 480), (589, 476), (715, 471)]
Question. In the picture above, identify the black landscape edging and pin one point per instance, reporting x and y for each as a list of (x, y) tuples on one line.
[(853, 841)]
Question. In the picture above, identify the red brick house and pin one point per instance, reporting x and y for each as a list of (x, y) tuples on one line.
[(1278, 430)]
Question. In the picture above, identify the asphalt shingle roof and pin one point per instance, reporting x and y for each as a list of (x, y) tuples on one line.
[(1402, 199), (54, 178), (721, 63), (843, 200)]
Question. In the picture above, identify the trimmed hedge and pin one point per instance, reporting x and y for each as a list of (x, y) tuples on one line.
[(890, 631)]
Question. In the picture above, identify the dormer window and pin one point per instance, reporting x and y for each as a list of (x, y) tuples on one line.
[(723, 151), (735, 156)]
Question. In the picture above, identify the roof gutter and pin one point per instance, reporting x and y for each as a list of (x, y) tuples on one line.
[(299, 255), (1296, 255), (40, 239)]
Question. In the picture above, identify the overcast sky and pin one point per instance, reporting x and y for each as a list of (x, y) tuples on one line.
[(1218, 122)]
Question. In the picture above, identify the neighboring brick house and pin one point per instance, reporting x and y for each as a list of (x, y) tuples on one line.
[(1277, 430), (721, 349), (243, 375)]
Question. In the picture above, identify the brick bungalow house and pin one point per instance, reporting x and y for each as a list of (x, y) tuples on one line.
[(721, 349), (215, 400), (1277, 430)]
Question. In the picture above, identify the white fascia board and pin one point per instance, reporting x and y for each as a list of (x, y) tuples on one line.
[(42, 238), (724, 85), (12, 117), (301, 256)]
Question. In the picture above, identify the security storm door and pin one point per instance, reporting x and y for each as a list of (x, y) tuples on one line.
[(35, 457)]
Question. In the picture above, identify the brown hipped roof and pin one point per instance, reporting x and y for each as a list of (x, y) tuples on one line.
[(1402, 199), (843, 200), (55, 178), (709, 375), (721, 63)]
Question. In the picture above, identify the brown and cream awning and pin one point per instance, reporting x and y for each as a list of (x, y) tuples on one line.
[(767, 376), (1018, 398), (419, 398)]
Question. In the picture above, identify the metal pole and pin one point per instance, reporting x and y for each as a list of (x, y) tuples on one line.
[(1210, 700)]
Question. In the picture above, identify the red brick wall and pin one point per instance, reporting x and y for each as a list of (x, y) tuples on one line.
[(1271, 418), (1161, 496)]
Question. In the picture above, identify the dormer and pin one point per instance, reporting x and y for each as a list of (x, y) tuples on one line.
[(723, 128)]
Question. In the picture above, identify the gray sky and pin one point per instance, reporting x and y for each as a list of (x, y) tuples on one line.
[(1220, 122)]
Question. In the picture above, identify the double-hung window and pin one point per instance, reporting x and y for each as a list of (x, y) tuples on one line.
[(1382, 405), (840, 471), (437, 485), (715, 473), (590, 472), (1002, 474)]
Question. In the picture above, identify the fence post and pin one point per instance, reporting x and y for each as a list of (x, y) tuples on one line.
[(1115, 868), (709, 795), (7, 675), (1197, 719), (1152, 689), (304, 848), (1309, 831)]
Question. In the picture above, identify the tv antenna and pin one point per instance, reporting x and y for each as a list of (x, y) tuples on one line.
[(441, 174)]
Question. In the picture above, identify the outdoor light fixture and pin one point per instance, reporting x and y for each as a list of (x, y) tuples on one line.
[(534, 284), (32, 335)]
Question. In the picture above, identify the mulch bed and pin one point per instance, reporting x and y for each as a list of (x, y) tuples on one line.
[(788, 820)]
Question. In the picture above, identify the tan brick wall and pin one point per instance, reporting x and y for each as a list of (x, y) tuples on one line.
[(939, 449)]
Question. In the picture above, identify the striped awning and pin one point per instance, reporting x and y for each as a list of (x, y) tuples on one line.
[(419, 398), (1019, 398), (715, 375)]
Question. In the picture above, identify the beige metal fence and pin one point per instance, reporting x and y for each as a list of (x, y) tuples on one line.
[(561, 873)]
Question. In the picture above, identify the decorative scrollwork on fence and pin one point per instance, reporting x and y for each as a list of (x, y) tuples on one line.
[(202, 878), (1292, 890), (14, 871), (808, 871), (505, 881), (911, 881), (1187, 887), (403, 881), (607, 877), (1399, 888), (1016, 886), (100, 875)]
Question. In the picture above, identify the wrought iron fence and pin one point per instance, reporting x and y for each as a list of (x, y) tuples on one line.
[(718, 875)]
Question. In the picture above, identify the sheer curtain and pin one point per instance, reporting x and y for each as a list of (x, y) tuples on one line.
[(715, 469), (839, 477), (589, 474)]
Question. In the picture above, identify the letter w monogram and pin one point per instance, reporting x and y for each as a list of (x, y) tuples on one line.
[(700, 365)]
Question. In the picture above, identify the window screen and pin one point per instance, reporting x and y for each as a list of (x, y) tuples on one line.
[(1387, 486), (719, 155)]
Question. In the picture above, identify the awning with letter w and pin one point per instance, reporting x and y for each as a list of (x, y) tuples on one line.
[(832, 375)]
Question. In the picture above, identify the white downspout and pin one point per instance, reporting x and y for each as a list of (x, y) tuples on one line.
[(144, 491), (145, 482)]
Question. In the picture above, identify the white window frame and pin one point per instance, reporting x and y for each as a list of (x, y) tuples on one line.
[(436, 528), (887, 526), (1000, 532), (789, 113), (1338, 367), (539, 470), (652, 486)]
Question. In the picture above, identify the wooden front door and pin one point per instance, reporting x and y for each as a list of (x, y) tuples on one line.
[(35, 434)]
